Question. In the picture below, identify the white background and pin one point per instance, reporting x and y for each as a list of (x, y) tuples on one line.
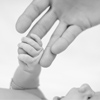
[(79, 64)]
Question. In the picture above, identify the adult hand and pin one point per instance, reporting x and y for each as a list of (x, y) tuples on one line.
[(74, 17)]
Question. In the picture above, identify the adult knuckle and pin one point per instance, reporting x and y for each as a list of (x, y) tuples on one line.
[(36, 8), (42, 28)]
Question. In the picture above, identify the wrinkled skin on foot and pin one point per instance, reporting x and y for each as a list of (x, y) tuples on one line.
[(74, 17)]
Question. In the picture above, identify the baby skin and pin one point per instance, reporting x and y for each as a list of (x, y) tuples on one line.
[(82, 93), (25, 82), (27, 74)]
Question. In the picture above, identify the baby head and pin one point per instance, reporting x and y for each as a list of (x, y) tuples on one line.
[(83, 93)]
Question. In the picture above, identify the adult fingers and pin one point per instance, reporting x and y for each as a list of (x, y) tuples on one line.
[(57, 33), (48, 56), (30, 14), (66, 39), (44, 24)]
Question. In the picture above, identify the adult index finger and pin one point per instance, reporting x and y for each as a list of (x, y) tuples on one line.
[(30, 14)]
